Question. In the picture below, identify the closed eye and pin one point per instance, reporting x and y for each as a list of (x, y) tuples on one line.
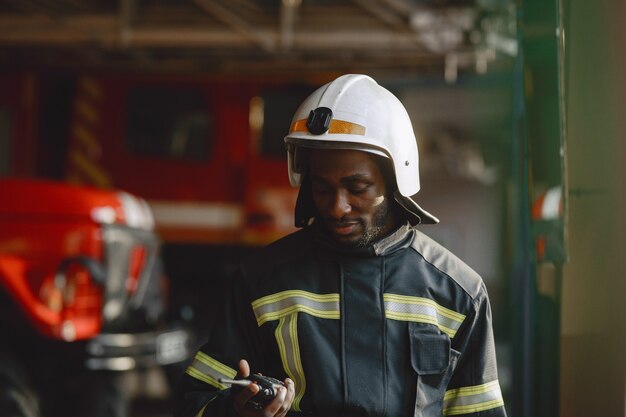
[(360, 189)]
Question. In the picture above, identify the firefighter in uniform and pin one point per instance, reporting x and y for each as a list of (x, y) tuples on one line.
[(359, 313)]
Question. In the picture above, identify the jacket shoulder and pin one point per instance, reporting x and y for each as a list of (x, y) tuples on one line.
[(448, 263), (285, 249)]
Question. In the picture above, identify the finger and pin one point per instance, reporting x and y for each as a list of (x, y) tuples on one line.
[(244, 369), (291, 390), (242, 397), (276, 405), (290, 395)]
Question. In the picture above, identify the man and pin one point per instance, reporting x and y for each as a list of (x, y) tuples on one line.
[(359, 312)]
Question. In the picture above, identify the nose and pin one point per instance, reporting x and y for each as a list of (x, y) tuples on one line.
[(339, 205)]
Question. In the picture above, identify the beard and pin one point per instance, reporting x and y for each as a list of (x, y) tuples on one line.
[(374, 231)]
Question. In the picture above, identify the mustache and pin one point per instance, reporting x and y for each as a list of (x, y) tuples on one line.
[(344, 221)]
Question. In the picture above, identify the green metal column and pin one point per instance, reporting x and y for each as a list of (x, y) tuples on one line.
[(540, 145)]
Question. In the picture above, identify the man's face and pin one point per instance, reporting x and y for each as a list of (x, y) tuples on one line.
[(350, 195)]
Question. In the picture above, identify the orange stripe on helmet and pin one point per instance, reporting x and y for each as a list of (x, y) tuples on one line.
[(336, 126)]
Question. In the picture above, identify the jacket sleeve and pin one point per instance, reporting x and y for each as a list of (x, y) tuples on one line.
[(474, 389), (231, 339)]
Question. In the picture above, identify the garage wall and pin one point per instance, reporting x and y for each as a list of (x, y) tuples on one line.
[(593, 328)]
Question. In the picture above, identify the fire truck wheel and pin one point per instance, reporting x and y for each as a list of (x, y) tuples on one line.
[(17, 397), (105, 395)]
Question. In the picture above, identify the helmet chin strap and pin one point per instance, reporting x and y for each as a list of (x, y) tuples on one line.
[(410, 211)]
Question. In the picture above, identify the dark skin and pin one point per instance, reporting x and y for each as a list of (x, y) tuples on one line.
[(351, 197), (277, 408)]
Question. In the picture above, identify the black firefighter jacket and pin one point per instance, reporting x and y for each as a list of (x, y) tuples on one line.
[(402, 328)]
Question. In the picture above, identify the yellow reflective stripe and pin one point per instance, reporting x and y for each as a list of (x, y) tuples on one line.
[(205, 406), (276, 306), (284, 307), (336, 126), (205, 378), (225, 370), (268, 299), (287, 339), (293, 331), (207, 369), (201, 411), (472, 399), (418, 318), (298, 308), (422, 310)]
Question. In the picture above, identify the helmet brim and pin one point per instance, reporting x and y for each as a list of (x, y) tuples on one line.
[(344, 142)]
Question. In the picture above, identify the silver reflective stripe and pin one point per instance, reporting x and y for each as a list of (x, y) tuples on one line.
[(287, 338), (472, 399), (284, 307), (208, 370), (276, 306), (422, 310)]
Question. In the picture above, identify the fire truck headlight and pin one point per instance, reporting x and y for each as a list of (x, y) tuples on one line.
[(104, 215), (136, 212)]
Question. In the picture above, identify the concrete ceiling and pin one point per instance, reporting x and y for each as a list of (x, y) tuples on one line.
[(263, 36)]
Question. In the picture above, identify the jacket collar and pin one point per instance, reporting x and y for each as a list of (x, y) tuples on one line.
[(401, 238)]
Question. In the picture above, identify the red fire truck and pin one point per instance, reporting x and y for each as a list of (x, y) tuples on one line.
[(208, 156), (206, 153), (83, 299)]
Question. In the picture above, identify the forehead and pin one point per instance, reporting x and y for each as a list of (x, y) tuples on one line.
[(340, 163)]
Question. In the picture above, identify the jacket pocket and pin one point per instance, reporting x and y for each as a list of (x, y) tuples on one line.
[(433, 361)]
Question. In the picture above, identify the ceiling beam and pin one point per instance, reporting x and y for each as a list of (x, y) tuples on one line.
[(288, 15), (401, 6), (388, 17), (263, 40), (128, 13), (381, 13), (104, 31)]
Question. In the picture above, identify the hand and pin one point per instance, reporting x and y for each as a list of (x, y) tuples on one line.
[(277, 408)]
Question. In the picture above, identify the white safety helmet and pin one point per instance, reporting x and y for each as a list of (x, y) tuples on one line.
[(354, 112)]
